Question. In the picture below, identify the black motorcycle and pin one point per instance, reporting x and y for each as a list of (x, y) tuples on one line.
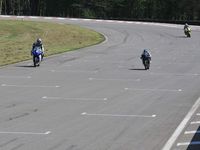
[(146, 62), (187, 32)]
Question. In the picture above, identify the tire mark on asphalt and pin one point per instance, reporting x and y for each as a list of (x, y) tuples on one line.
[(8, 142), (22, 115)]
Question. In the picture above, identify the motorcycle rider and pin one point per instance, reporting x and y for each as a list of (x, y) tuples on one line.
[(145, 55), (186, 28), (38, 43)]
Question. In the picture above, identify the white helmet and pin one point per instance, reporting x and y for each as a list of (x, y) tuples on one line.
[(39, 40)]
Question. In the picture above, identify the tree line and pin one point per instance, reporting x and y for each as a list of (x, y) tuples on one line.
[(174, 10)]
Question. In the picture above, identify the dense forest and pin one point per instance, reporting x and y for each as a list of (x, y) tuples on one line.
[(173, 10)]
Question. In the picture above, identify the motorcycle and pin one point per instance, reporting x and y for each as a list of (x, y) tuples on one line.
[(187, 32), (37, 56), (146, 63)]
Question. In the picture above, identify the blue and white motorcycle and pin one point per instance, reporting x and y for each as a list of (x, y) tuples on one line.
[(37, 56)]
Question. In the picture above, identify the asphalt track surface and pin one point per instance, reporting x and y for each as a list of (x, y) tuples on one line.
[(101, 98)]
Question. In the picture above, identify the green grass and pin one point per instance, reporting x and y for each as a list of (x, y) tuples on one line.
[(16, 38)]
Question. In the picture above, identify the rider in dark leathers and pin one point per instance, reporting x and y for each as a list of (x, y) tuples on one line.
[(145, 55)]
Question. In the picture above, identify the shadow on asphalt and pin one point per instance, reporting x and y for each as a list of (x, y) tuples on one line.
[(25, 66), (137, 69), (195, 142), (181, 36)]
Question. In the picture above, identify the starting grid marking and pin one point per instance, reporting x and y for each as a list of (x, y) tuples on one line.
[(181, 128), (189, 143), (100, 20), (194, 132)]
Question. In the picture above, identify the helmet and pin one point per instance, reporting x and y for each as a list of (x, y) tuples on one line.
[(39, 40), (186, 24), (145, 50)]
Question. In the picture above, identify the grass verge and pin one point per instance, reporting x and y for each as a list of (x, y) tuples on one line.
[(16, 38)]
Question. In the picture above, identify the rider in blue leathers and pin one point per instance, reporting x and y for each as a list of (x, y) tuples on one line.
[(38, 43)]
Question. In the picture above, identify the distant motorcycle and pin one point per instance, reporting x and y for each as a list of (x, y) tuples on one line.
[(146, 63), (37, 56), (187, 32)]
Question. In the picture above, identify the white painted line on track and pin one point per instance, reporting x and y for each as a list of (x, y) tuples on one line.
[(189, 143), (31, 86), (74, 19), (60, 18), (48, 18), (160, 90), (195, 122), (129, 22), (192, 132), (28, 77), (28, 133), (87, 19), (198, 114), (5, 16), (106, 39), (118, 21), (102, 79), (77, 99), (33, 17), (22, 17), (110, 21), (99, 20), (181, 127), (118, 115)]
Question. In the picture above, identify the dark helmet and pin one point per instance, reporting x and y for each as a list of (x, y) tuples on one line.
[(145, 50)]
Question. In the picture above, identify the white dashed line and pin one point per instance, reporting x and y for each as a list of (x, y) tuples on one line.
[(118, 115), (28, 133), (75, 98), (59, 18), (29, 86), (33, 17), (160, 90), (48, 18)]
